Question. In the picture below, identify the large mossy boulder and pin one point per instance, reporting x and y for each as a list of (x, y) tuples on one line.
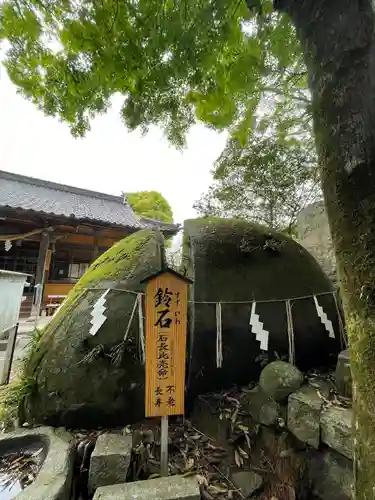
[(234, 260), (76, 380)]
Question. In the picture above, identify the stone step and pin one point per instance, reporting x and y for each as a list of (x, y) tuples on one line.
[(25, 312), (164, 488)]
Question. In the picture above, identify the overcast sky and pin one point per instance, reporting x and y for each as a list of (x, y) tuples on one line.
[(109, 159)]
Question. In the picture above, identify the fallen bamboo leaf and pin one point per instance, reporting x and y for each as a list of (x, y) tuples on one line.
[(234, 416), (243, 453), (238, 459), (220, 453), (205, 495), (233, 400), (286, 453), (243, 428), (189, 464), (211, 446), (195, 437), (190, 473), (216, 489), (248, 442), (201, 480)]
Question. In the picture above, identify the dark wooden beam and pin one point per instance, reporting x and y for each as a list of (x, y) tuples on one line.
[(95, 252), (40, 219), (40, 268)]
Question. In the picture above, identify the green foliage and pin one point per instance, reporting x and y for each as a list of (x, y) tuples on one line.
[(30, 349), (173, 61), (13, 394), (150, 204), (266, 181)]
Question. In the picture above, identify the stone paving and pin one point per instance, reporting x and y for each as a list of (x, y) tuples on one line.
[(25, 330)]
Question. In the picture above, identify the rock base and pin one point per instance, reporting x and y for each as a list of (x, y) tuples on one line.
[(165, 488), (110, 460), (344, 375)]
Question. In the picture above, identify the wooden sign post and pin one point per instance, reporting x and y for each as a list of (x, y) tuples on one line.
[(166, 327)]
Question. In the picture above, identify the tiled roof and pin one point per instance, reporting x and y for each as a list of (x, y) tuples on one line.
[(27, 193), (165, 227)]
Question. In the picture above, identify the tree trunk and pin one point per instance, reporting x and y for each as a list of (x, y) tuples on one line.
[(337, 38)]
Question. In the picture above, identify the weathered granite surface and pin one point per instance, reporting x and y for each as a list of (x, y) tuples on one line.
[(54, 479), (279, 379), (313, 232), (331, 475), (323, 429), (165, 488), (247, 481), (80, 380), (304, 409), (344, 374), (336, 428), (261, 407), (110, 460)]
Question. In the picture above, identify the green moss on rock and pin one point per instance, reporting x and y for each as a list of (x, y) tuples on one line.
[(77, 381), (235, 246), (279, 379), (233, 260)]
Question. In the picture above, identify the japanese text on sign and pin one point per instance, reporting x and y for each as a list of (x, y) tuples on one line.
[(166, 308)]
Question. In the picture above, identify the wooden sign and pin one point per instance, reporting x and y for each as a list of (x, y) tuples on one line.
[(166, 326)]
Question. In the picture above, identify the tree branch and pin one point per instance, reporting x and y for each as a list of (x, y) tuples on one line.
[(277, 91)]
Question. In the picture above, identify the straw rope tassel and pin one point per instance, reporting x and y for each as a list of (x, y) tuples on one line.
[(343, 340), (131, 319), (219, 339), (289, 318), (116, 352), (141, 328)]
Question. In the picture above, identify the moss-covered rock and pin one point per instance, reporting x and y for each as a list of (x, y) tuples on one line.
[(279, 379), (234, 260), (77, 382)]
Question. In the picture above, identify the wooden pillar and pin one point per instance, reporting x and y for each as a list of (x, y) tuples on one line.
[(16, 253), (40, 272), (42, 255), (95, 253)]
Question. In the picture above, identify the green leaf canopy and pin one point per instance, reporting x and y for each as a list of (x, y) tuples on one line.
[(173, 61)]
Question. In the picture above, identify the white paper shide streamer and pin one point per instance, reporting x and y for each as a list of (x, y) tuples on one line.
[(97, 314), (257, 328), (324, 319), (219, 337)]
